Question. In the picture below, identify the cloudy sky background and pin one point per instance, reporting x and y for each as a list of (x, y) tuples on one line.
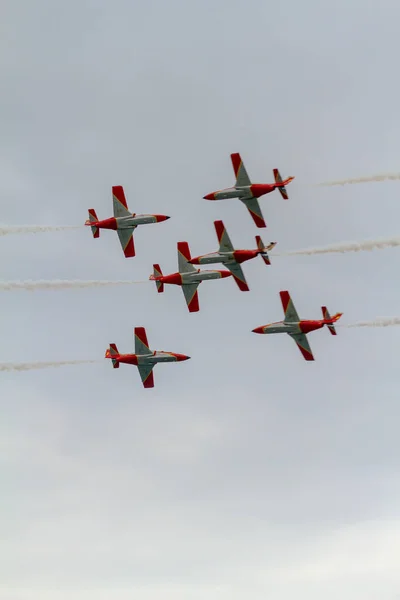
[(246, 472)]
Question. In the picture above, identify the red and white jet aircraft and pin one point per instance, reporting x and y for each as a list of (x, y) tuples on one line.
[(144, 358), (231, 258), (249, 192), (297, 328), (188, 277), (123, 222)]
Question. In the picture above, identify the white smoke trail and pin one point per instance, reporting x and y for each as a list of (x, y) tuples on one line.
[(372, 178), (58, 284), (379, 322), (35, 229), (42, 365), (342, 247)]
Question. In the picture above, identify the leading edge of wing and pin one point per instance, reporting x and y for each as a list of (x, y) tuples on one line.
[(303, 345)]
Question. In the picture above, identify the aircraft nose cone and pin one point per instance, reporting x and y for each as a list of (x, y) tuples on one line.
[(258, 330), (161, 218), (180, 357), (225, 274), (209, 196)]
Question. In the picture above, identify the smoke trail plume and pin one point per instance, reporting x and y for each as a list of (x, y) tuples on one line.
[(342, 247), (379, 322), (42, 365), (58, 284), (372, 178), (35, 229)]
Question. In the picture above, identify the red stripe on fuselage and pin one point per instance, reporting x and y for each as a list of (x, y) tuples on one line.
[(128, 359), (259, 189), (307, 326), (110, 223), (241, 256), (172, 279)]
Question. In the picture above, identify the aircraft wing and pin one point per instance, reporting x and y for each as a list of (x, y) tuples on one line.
[(303, 345), (183, 256), (141, 343), (291, 315), (225, 244), (254, 209), (126, 239), (238, 275), (119, 202), (240, 172), (146, 374), (191, 296)]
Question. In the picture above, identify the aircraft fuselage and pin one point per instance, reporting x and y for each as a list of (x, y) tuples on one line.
[(235, 256), (246, 191), (150, 359), (291, 328), (128, 222), (189, 278)]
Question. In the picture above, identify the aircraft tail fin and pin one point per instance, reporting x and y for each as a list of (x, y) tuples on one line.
[(93, 219), (261, 246), (158, 273), (112, 352), (281, 184), (327, 317)]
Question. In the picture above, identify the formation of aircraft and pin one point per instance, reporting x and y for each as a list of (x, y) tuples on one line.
[(298, 328), (249, 192), (123, 222), (143, 358), (187, 276), (231, 258)]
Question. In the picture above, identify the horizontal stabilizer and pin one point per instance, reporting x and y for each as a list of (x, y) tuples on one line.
[(282, 189), (112, 352), (158, 273), (93, 219), (264, 253), (326, 315)]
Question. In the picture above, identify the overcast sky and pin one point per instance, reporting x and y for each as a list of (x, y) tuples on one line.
[(247, 472)]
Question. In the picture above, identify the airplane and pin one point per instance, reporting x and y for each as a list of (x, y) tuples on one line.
[(188, 277), (123, 222), (144, 358), (297, 328), (232, 258), (249, 192)]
